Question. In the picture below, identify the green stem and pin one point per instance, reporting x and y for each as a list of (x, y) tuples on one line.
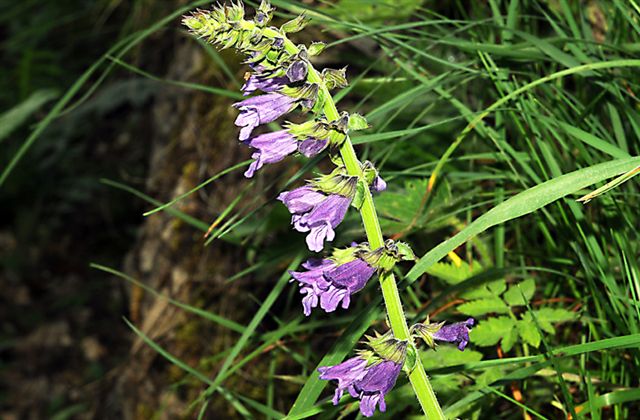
[(395, 313)]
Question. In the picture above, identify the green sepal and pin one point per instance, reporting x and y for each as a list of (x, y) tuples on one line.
[(235, 12), (405, 252), (383, 258), (369, 172), (425, 332), (358, 198), (387, 347), (344, 255), (337, 182), (335, 78), (358, 122), (316, 48), (263, 14), (410, 360), (295, 25)]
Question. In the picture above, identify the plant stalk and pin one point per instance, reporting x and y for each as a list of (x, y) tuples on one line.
[(418, 377)]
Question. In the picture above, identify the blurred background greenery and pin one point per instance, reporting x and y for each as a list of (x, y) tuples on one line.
[(109, 109)]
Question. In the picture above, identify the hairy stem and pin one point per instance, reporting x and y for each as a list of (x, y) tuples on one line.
[(418, 377)]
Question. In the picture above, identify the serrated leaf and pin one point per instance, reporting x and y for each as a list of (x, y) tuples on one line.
[(490, 331), (483, 306), (528, 330), (357, 122), (521, 293), (490, 290), (443, 356), (454, 274), (509, 340), (546, 316), (555, 315)]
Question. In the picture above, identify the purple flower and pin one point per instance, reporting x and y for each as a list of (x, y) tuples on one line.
[(312, 146), (455, 333), (346, 373), (369, 384), (317, 216), (265, 84), (261, 110), (271, 148), (330, 284)]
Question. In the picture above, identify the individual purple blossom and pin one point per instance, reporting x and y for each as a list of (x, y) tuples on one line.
[(317, 216), (455, 333), (368, 383), (312, 146), (261, 109), (329, 284), (266, 84), (271, 148), (346, 373)]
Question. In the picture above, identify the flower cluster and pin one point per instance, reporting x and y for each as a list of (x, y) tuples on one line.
[(281, 81)]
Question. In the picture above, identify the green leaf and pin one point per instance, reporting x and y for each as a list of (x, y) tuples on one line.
[(483, 306), (454, 274), (490, 331), (509, 340), (521, 293), (524, 203), (546, 316), (529, 331), (16, 116), (489, 290)]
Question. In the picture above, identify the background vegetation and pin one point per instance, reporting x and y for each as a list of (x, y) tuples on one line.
[(110, 110)]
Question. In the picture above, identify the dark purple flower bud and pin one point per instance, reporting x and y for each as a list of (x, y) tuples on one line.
[(455, 333), (297, 71), (346, 373), (272, 147), (265, 84), (311, 146), (369, 384), (278, 43), (378, 184), (261, 110)]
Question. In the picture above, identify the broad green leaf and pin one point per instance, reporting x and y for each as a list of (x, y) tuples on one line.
[(528, 330), (489, 290), (483, 306), (547, 316), (524, 203), (521, 293), (454, 274), (488, 332), (509, 340)]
